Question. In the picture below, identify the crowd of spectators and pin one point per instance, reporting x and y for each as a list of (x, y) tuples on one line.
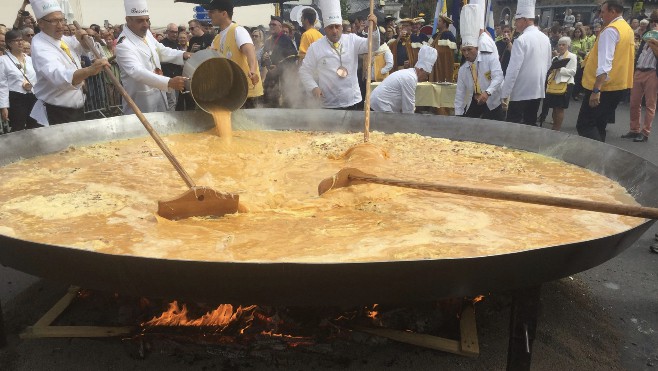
[(280, 49)]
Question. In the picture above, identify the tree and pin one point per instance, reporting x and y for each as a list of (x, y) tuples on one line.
[(344, 7)]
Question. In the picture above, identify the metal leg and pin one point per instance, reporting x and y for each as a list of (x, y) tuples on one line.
[(3, 335), (523, 326)]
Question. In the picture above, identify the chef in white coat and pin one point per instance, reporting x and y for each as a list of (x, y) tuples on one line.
[(397, 93), (486, 43), (56, 61), (329, 69), (480, 78), (524, 85), (139, 56)]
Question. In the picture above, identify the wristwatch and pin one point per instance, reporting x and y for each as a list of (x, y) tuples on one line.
[(596, 90)]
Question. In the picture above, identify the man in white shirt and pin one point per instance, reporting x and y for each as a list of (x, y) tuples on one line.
[(139, 56), (334, 60), (397, 93), (480, 78), (56, 61), (524, 85)]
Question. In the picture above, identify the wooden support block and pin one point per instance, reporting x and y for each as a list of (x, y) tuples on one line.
[(421, 340), (35, 332), (58, 308), (469, 336)]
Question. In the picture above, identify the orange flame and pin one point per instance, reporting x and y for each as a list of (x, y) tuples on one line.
[(478, 299), (223, 316)]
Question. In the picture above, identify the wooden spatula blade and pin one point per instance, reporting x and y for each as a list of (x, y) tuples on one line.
[(199, 201)]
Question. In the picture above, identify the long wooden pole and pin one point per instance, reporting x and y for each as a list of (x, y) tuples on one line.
[(570, 203), (372, 26), (89, 44)]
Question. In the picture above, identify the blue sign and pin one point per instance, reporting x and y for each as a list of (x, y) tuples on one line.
[(200, 9), (204, 17)]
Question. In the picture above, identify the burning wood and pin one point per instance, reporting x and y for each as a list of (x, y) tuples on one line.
[(221, 317)]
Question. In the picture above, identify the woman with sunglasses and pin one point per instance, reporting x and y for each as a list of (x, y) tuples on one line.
[(17, 77)]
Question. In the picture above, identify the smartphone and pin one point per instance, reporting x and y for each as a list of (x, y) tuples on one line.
[(25, 13)]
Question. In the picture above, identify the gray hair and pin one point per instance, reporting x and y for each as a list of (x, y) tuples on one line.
[(565, 40)]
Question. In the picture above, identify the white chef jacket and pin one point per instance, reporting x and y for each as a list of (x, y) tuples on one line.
[(322, 60), (11, 77), (490, 79), (388, 58), (4, 89), (397, 93), (487, 44), (137, 62), (528, 65), (54, 70)]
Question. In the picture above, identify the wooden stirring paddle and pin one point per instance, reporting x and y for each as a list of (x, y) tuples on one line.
[(197, 200), (350, 176)]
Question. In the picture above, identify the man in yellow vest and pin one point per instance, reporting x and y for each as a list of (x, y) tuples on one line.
[(234, 42), (605, 79)]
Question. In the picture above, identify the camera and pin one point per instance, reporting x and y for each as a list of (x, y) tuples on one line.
[(25, 13)]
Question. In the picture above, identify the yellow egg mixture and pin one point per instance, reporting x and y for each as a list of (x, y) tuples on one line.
[(103, 198)]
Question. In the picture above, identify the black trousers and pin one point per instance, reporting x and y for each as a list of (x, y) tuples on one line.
[(592, 121), (185, 102), (20, 106), (482, 111), (523, 111), (62, 115)]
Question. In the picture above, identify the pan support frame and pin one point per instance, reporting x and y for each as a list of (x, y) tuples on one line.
[(523, 326)]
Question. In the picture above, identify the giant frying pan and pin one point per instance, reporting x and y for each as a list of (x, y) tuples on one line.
[(330, 283)]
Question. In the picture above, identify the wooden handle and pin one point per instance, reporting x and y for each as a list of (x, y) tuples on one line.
[(89, 44), (628, 210), (366, 105)]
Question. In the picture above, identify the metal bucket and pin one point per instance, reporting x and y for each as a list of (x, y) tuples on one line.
[(215, 82)]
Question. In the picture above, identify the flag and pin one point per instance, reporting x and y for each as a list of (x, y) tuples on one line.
[(440, 4), (441, 9), (489, 20), (455, 10)]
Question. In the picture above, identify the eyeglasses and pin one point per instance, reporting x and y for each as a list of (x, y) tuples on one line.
[(55, 22)]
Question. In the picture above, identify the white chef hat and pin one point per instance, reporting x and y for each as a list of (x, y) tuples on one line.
[(481, 5), (330, 12), (136, 8), (469, 25), (42, 8), (525, 9), (426, 58)]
